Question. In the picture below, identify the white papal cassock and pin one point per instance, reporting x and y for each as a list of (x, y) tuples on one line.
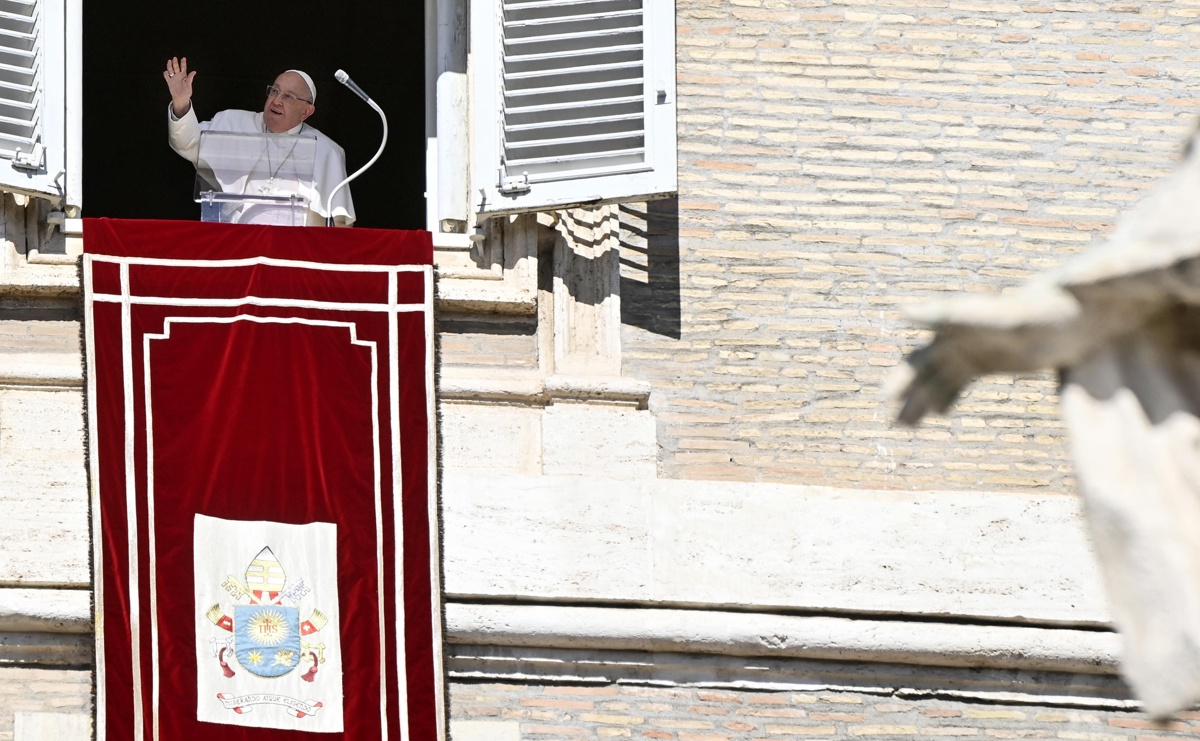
[(329, 168)]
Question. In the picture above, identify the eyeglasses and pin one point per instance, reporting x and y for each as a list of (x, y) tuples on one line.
[(273, 91)]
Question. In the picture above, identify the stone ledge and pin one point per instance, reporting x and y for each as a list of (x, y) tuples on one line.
[(46, 611), (526, 389), (477, 291), (599, 669), (896, 641), (41, 369), (47, 275), (599, 388), (45, 649), (535, 390)]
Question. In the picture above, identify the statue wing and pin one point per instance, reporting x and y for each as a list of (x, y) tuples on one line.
[(1151, 261)]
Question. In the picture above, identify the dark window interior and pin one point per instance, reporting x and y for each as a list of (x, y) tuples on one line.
[(237, 49)]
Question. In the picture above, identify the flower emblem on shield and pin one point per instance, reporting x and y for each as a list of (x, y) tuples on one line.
[(266, 637)]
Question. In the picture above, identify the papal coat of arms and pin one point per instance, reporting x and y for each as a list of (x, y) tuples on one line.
[(267, 644), (268, 638)]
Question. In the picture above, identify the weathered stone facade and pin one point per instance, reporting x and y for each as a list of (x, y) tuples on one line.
[(839, 160)]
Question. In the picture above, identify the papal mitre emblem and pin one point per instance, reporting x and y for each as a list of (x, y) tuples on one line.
[(265, 577)]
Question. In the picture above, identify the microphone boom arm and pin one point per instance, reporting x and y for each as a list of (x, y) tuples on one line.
[(343, 78)]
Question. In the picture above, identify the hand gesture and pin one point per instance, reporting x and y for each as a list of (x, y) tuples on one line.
[(179, 82)]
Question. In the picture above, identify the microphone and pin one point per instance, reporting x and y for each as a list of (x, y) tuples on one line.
[(344, 78)]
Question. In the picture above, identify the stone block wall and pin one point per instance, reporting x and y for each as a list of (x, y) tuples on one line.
[(64, 693), (841, 159), (487, 341)]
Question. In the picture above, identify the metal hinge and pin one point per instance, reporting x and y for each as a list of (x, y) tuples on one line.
[(513, 184), (35, 160)]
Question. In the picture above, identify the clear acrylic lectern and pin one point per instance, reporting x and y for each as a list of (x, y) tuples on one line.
[(255, 178)]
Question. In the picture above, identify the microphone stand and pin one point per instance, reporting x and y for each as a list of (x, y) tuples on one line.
[(343, 78)]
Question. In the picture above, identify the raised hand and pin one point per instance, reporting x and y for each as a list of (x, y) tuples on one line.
[(179, 82)]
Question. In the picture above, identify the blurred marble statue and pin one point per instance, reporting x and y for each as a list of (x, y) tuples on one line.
[(1122, 325)]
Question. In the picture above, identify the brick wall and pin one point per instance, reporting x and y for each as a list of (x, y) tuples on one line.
[(840, 159), (574, 713)]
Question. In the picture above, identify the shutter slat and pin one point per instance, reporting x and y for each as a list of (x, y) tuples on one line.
[(598, 90), (601, 114), (578, 40), (515, 5), (11, 20), (15, 37), (631, 120), (591, 69), (18, 77), (580, 140), (565, 56), (518, 7), (16, 59), (22, 126), (576, 146), (567, 80), (634, 15), (16, 92), (533, 164), (563, 106), (18, 108), (569, 165)]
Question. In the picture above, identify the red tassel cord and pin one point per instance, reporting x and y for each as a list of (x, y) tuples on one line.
[(224, 665), (311, 674)]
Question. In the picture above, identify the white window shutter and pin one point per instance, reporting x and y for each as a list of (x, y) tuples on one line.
[(34, 99), (573, 103)]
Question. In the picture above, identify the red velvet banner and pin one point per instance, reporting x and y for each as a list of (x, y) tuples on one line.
[(261, 445)]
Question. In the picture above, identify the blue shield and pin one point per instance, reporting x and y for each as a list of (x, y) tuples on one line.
[(267, 639)]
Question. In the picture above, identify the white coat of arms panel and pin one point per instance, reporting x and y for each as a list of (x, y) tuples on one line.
[(268, 653)]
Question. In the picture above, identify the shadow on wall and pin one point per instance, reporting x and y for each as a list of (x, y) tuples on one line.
[(650, 266)]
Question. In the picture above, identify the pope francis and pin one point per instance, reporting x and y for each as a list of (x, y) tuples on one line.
[(290, 100)]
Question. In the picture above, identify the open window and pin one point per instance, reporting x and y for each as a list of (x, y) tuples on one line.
[(40, 52), (130, 172), (573, 102)]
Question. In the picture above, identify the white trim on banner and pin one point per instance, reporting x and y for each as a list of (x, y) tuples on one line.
[(148, 413), (89, 328), (135, 623), (397, 506), (258, 301), (253, 261), (378, 492)]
